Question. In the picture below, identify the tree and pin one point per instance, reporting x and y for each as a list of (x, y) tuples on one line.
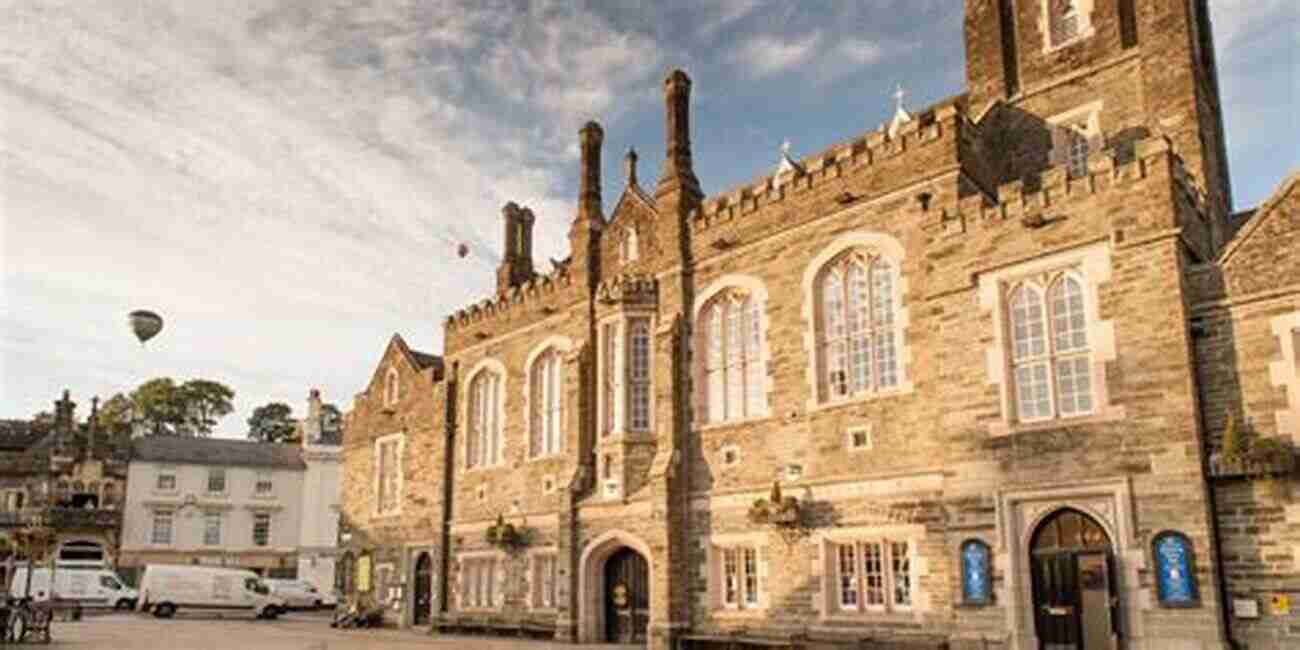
[(189, 409), (272, 422), (204, 403)]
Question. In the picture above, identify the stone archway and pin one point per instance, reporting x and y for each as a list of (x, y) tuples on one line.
[(591, 581)]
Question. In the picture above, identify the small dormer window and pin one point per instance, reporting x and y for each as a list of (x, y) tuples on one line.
[(629, 248), (391, 387)]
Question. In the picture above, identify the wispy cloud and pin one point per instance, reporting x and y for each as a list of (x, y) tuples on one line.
[(768, 54)]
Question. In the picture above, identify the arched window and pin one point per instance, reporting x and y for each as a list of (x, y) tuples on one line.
[(857, 342), (731, 367), (1050, 353), (976, 573), (391, 387), (484, 441), (546, 404), (629, 248)]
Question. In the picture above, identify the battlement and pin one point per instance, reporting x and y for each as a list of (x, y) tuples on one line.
[(943, 122), (629, 289), (1026, 199), (539, 288)]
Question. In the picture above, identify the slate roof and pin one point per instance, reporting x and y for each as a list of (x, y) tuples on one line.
[(217, 451), (425, 360), (20, 434)]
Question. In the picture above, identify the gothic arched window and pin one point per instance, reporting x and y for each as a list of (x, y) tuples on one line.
[(857, 341), (392, 387), (546, 404), (484, 440), (731, 363), (1049, 350)]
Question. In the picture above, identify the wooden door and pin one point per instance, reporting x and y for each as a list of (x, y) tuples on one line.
[(423, 590), (1075, 597), (1057, 615), (627, 597)]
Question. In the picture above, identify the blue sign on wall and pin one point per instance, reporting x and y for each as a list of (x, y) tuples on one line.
[(976, 578), (1175, 570)]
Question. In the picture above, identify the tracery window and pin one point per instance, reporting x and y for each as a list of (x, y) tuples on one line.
[(546, 404), (1050, 355), (484, 420), (857, 341), (732, 369)]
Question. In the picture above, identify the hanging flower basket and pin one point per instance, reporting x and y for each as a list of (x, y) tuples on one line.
[(506, 535), (776, 510)]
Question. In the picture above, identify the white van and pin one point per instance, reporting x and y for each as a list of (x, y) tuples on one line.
[(296, 593), (164, 589), (88, 587)]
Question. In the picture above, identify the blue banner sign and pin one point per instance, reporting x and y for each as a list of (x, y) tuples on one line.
[(1175, 570), (976, 581)]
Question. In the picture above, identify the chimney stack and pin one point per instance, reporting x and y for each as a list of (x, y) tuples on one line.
[(517, 258), (629, 164), (679, 172), (311, 425), (90, 428), (589, 204)]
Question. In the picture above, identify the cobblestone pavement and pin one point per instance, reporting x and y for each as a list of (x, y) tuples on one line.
[(290, 632)]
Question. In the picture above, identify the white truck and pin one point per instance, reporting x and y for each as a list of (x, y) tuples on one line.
[(84, 586), (165, 589)]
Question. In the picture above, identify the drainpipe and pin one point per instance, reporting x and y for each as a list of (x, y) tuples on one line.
[(448, 469), (1198, 331)]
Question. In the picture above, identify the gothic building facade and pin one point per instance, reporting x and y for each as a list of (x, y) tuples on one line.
[(960, 380)]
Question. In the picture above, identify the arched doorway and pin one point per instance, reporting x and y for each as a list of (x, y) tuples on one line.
[(627, 597), (1076, 598), (423, 605)]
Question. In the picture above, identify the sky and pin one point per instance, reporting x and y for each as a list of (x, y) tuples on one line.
[(286, 181)]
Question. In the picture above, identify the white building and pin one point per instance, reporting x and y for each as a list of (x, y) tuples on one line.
[(269, 507)]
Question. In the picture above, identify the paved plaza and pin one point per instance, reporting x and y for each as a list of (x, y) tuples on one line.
[(291, 632)]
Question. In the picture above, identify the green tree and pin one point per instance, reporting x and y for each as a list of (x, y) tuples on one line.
[(271, 422), (189, 409), (115, 415)]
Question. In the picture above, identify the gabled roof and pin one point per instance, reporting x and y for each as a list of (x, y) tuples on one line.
[(217, 451), (20, 434), (634, 192), (1266, 211)]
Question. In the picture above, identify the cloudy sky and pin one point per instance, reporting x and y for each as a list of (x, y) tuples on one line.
[(286, 180)]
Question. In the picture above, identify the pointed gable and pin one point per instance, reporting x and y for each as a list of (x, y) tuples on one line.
[(1265, 253)]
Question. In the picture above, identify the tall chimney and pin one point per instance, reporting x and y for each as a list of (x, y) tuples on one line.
[(90, 428), (517, 257), (679, 173), (629, 165), (311, 424), (63, 417), (589, 205)]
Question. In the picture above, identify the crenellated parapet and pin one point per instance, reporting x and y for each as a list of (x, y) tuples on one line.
[(941, 124), (1034, 200), (536, 292), (629, 289)]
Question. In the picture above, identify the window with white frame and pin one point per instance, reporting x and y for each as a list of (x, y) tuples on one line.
[(161, 532), (212, 528), (392, 387), (478, 582), (261, 529), (216, 480), (638, 374), (546, 403), (732, 369), (739, 579), (545, 595), (484, 440), (1050, 354), (872, 575), (1067, 20), (388, 474), (857, 341), (166, 480)]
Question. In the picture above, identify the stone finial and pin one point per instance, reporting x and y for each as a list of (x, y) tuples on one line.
[(629, 165), (901, 116)]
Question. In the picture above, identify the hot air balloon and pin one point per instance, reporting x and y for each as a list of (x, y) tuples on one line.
[(462, 250), (145, 324)]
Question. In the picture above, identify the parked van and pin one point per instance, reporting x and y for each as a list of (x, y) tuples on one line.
[(164, 589), (87, 587), (297, 593)]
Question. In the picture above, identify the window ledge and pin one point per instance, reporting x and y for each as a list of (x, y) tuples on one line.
[(864, 398), (734, 424), (478, 469), (1005, 428), (550, 456), (1084, 35), (729, 613)]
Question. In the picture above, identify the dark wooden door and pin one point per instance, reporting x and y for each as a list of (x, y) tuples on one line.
[(1056, 601), (627, 597), (423, 589)]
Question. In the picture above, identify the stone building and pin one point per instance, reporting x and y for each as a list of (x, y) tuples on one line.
[(392, 480), (64, 478), (958, 380)]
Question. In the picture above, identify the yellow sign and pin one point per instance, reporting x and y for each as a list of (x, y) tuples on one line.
[(1281, 604), (363, 574)]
